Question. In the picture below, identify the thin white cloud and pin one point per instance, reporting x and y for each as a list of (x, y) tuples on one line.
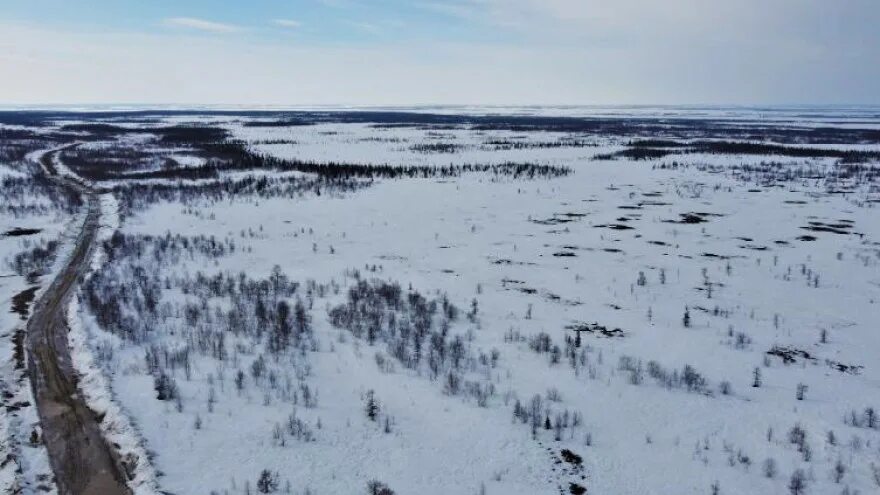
[(367, 27), (553, 52), (201, 25), (465, 11), (287, 23)]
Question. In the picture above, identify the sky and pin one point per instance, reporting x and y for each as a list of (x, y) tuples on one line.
[(411, 52)]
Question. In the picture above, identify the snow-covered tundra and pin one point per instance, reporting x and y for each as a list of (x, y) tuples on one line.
[(412, 303)]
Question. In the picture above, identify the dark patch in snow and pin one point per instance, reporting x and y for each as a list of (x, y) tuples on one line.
[(18, 231), (834, 228), (613, 226), (559, 218), (21, 302), (595, 329), (691, 218), (505, 261), (718, 256), (18, 349), (790, 355), (844, 368)]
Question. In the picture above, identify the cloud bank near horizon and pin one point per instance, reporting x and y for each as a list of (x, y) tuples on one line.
[(460, 51)]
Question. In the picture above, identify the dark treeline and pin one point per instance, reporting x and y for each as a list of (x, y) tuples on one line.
[(235, 156), (634, 154), (173, 134), (653, 149), (108, 161), (96, 129), (436, 148), (15, 144), (676, 127), (190, 134), (508, 144), (278, 123), (247, 160), (119, 160), (135, 196)]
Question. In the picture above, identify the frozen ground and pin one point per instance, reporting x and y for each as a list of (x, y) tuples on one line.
[(455, 236), (30, 223), (693, 278)]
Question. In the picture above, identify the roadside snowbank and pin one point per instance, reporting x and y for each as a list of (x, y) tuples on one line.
[(115, 426)]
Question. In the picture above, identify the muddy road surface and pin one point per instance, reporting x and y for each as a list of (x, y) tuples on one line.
[(81, 458)]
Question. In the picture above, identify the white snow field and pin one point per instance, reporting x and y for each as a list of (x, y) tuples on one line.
[(695, 323)]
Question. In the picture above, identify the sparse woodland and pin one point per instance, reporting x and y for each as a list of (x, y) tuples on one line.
[(402, 303)]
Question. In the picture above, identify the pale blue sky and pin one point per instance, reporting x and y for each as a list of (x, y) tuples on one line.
[(440, 51), (303, 21)]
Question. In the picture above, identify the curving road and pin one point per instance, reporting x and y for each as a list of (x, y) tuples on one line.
[(82, 460)]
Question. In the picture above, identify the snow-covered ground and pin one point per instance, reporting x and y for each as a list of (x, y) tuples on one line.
[(368, 144), (691, 284), (24, 464), (456, 236)]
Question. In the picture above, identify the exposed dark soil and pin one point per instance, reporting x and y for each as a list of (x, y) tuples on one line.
[(18, 231)]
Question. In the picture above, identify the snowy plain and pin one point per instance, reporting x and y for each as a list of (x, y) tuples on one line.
[(696, 265)]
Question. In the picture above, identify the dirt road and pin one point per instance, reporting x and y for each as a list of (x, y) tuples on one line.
[(82, 460)]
